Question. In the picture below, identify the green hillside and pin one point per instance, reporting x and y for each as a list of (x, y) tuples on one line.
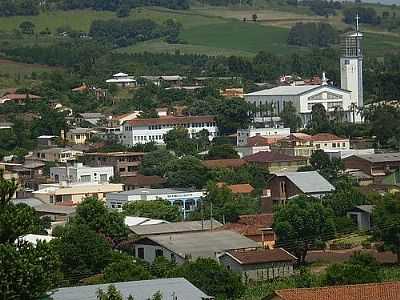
[(210, 31)]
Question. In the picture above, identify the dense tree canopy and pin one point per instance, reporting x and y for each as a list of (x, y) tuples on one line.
[(312, 35), (186, 172), (222, 151), (157, 209), (303, 223), (28, 271), (155, 162)]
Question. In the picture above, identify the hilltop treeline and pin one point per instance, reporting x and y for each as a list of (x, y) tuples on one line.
[(33, 7)]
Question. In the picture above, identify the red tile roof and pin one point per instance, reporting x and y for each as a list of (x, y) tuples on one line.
[(267, 157), (171, 120), (20, 96), (371, 291), (259, 140), (264, 220), (224, 163), (142, 180), (326, 137), (244, 188), (260, 255)]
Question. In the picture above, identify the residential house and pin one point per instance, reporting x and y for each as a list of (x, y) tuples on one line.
[(362, 216), (142, 181), (376, 165), (169, 288), (89, 119), (232, 93), (256, 227), (296, 144), (287, 185), (122, 80), (238, 189), (276, 162), (233, 163), (56, 154), (124, 163), (188, 246), (259, 263), (187, 199), (80, 135), (368, 291), (244, 134), (6, 125), (329, 142), (80, 173), (47, 140), (54, 212), (171, 80), (175, 227), (75, 193), (30, 174), (141, 131), (18, 98)]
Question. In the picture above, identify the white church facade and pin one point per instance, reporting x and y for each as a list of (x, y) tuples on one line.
[(347, 99)]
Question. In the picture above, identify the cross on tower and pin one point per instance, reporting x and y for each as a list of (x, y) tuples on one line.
[(357, 22)]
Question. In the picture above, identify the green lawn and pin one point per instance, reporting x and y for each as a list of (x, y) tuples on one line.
[(241, 36)]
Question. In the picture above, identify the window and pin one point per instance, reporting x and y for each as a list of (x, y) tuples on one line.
[(283, 187), (347, 62), (131, 168), (173, 258), (141, 253), (103, 177), (122, 169), (344, 144), (85, 178), (333, 145), (159, 252)]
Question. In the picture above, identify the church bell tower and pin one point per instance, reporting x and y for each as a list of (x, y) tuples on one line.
[(351, 65)]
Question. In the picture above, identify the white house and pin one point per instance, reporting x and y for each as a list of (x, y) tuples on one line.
[(303, 98), (244, 134), (61, 193), (188, 200), (328, 142), (141, 131), (122, 80), (80, 173)]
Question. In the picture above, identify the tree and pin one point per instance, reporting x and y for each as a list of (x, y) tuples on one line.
[(179, 141), (302, 223), (212, 278), (18, 220), (362, 264), (7, 189), (386, 218), (28, 271), (93, 213), (319, 119), (162, 267), (329, 168), (125, 270), (290, 117), (27, 27), (232, 115), (155, 162), (186, 172), (222, 151), (83, 252), (221, 204), (157, 209)]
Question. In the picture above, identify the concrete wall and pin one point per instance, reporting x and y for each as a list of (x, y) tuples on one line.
[(150, 253), (258, 271)]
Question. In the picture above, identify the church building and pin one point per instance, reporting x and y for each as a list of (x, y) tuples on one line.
[(345, 100)]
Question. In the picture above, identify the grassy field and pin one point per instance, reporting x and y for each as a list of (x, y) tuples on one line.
[(210, 31)]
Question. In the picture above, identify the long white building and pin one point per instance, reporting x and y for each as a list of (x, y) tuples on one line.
[(83, 174), (141, 131), (188, 200), (303, 98)]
